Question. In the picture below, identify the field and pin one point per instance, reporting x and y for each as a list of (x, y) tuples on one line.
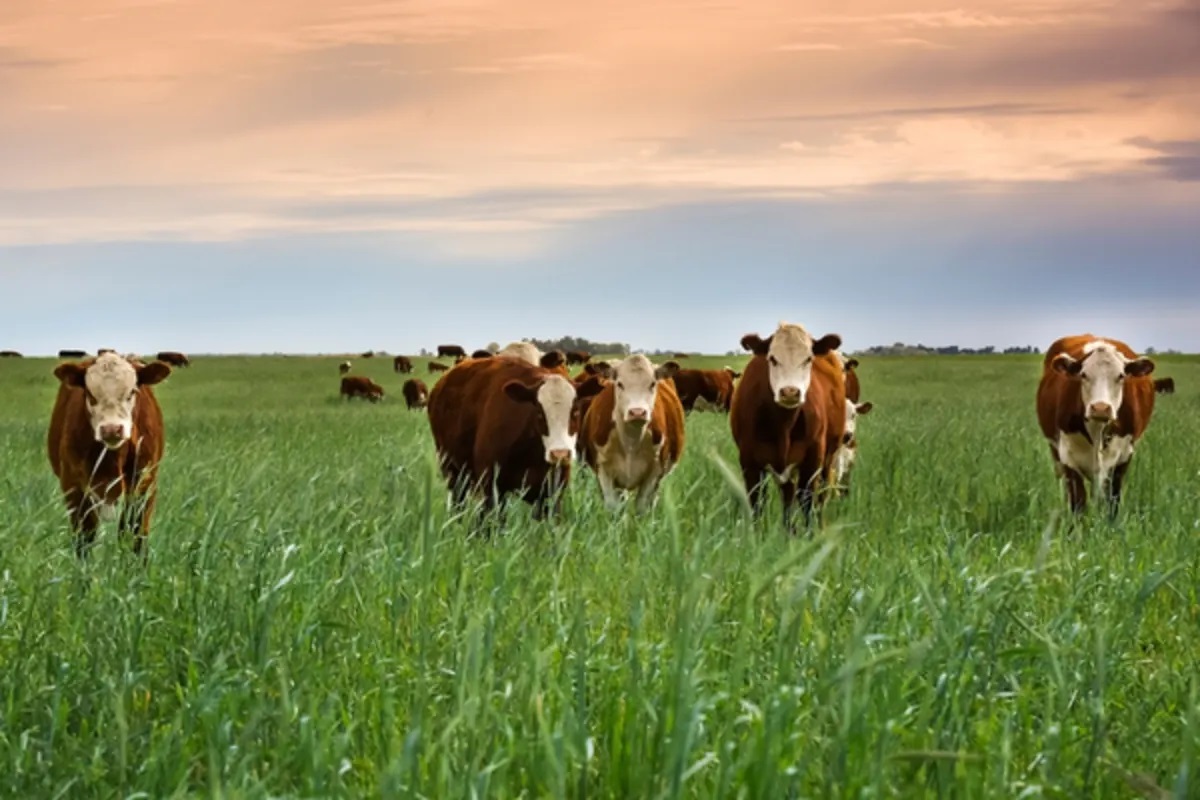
[(314, 623)]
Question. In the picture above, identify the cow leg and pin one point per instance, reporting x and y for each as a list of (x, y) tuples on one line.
[(85, 519), (1115, 483), (1076, 489), (612, 498), (647, 493), (787, 497), (756, 487), (135, 521)]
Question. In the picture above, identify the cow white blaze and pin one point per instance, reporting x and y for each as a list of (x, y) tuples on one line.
[(111, 385), (789, 360), (556, 396), (1101, 374), (635, 389)]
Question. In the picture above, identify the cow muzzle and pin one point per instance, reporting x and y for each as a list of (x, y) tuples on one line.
[(789, 397), (1100, 412), (111, 436), (558, 456), (636, 415)]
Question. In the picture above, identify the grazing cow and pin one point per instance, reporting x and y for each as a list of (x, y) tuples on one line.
[(788, 415), (1094, 403), (358, 386), (72, 353), (451, 351), (402, 364), (416, 394), (847, 452), (713, 387), (632, 434), (10, 354), (1164, 386), (436, 367), (482, 354), (501, 425), (343, 367), (174, 359), (105, 441), (367, 354), (578, 357)]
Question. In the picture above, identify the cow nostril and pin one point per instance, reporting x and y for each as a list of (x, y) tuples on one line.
[(559, 456)]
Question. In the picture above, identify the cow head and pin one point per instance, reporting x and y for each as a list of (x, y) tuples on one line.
[(853, 412), (556, 400), (789, 353), (636, 388), (1101, 373), (110, 388)]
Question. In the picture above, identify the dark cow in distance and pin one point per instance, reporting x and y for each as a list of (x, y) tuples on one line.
[(451, 351), (104, 350), (359, 386), (175, 359), (502, 426), (788, 415), (402, 364), (416, 393), (105, 442), (482, 354), (1164, 386), (72, 353), (680, 355), (436, 367), (578, 357), (10, 354), (712, 386), (1094, 403), (367, 354), (344, 367)]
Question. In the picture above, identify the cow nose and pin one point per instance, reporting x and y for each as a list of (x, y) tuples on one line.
[(111, 433), (1100, 411), (559, 456), (636, 414), (789, 395)]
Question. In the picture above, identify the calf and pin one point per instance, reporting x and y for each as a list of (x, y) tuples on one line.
[(788, 415), (416, 395), (359, 386), (847, 451), (105, 442), (1094, 403), (632, 435), (343, 367), (402, 364)]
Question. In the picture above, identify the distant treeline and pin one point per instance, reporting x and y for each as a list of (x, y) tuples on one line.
[(566, 343), (902, 349)]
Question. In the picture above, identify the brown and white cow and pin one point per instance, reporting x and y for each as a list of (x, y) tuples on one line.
[(788, 415), (434, 366), (451, 351), (849, 365), (402, 364), (504, 426), (703, 388), (1094, 403), (416, 394), (344, 367), (847, 451), (105, 442), (359, 386), (632, 435), (174, 358)]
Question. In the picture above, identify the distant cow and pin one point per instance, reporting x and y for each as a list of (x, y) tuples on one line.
[(436, 367), (1164, 386), (359, 386), (501, 425), (451, 351), (482, 354), (847, 452), (344, 367), (105, 441), (416, 394), (680, 355), (174, 359), (632, 435), (712, 386), (72, 353), (10, 354), (104, 350), (578, 357), (788, 415), (402, 364), (367, 354), (1094, 403)]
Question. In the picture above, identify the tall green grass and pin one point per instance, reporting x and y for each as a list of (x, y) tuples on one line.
[(314, 622)]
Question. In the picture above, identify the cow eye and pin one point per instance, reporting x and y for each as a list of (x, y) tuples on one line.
[(773, 361), (808, 360), (653, 384), (620, 385)]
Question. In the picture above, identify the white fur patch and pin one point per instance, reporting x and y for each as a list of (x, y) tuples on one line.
[(635, 388), (112, 384), (557, 396), (1097, 459), (1102, 376), (522, 351), (789, 361)]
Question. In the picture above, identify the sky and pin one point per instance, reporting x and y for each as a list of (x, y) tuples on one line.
[(275, 176)]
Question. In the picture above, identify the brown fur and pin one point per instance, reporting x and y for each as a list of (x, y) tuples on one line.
[(853, 391), (1164, 386), (451, 351), (359, 386), (86, 469), (482, 354), (72, 353), (1060, 408), (174, 359), (769, 436), (416, 394), (436, 367), (402, 364), (578, 357), (10, 354), (714, 385)]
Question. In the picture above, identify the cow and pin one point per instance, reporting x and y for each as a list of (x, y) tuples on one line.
[(680, 355), (788, 415), (451, 351), (367, 354), (847, 452), (104, 350), (174, 358), (105, 442), (344, 367), (436, 367), (853, 390), (481, 354), (72, 353), (578, 357), (601, 369), (1164, 386), (711, 386), (402, 364), (358, 386), (632, 434), (10, 354), (502, 426), (1094, 403), (416, 394)]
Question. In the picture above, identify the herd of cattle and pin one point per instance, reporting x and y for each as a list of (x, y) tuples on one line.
[(512, 422)]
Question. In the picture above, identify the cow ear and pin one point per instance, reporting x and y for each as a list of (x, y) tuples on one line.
[(602, 369), (733, 373), (522, 392), (1139, 368), (592, 386), (667, 370), (1066, 365), (850, 364), (152, 373), (756, 344), (553, 359), (828, 342), (71, 374), (865, 408)]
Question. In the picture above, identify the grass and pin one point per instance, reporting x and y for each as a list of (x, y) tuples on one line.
[(313, 622)]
